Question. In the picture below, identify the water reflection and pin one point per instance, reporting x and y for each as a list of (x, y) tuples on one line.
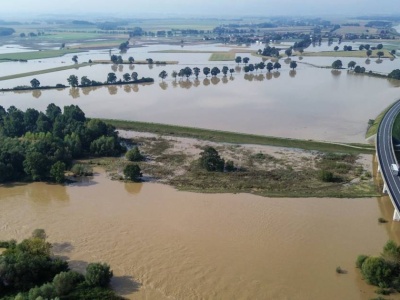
[(268, 76), (292, 73), (112, 89), (36, 93), (114, 67), (379, 61), (150, 66), (196, 82), (206, 82), (367, 61), (163, 85), (74, 92), (135, 88), (215, 80), (336, 73), (127, 88), (174, 84), (238, 69), (287, 60), (86, 90), (186, 84), (133, 188), (224, 80), (131, 67), (276, 74), (120, 68)]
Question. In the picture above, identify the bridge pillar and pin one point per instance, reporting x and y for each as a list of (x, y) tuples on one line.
[(385, 189), (396, 215), (379, 168)]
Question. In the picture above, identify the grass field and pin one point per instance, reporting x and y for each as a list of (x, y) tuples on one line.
[(373, 129), (356, 53), (36, 54), (227, 56), (74, 66), (239, 138)]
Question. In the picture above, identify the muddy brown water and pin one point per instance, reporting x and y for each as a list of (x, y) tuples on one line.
[(165, 244)]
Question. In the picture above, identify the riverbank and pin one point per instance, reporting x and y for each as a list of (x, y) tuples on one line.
[(261, 170)]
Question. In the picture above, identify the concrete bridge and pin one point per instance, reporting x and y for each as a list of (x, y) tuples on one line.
[(386, 158)]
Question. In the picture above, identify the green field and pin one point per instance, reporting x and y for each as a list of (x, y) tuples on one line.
[(74, 66), (239, 138), (36, 54), (226, 56)]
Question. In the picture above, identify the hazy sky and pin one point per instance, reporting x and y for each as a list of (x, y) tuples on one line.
[(214, 8)]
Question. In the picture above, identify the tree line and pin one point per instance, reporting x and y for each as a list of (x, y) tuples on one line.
[(28, 271), (38, 146)]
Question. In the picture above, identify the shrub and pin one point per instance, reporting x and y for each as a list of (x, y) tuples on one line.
[(229, 166), (39, 233), (82, 170), (132, 172), (57, 172), (376, 271), (211, 161), (134, 154), (65, 282), (46, 291), (326, 176), (360, 260), (98, 274)]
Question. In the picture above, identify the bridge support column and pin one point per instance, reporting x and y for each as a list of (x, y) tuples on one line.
[(385, 189), (396, 215), (379, 168)]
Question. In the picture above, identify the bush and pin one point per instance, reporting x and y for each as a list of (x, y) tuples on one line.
[(65, 282), (377, 271), (98, 274), (57, 172), (82, 170), (360, 260), (229, 166), (326, 176), (46, 291), (39, 234), (134, 154), (211, 161), (132, 172)]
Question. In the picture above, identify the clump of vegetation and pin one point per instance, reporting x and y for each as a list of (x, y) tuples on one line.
[(134, 154), (326, 176), (211, 161), (29, 271), (339, 270), (382, 271), (133, 173), (82, 170), (41, 146), (382, 220)]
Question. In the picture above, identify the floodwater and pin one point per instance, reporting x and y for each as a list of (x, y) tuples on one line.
[(165, 244), (309, 103)]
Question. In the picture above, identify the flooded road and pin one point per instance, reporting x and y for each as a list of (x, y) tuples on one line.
[(164, 244)]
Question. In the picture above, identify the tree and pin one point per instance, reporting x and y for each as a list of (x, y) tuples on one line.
[(336, 48), (111, 78), (65, 282), (133, 173), (270, 66), (246, 60), (35, 83), (238, 59), (196, 72), (211, 161), (75, 59), (85, 81), (163, 74), (174, 74), (380, 54), (376, 271), (395, 74), (277, 66), (288, 52), (261, 65), (351, 64), (120, 60), (293, 65), (57, 172), (73, 80), (135, 76), (114, 58), (379, 46), (369, 52), (127, 77), (225, 70), (39, 234), (134, 154), (188, 72), (98, 275), (231, 71), (361, 47), (393, 52), (149, 61), (215, 71), (131, 60), (206, 71), (337, 64)]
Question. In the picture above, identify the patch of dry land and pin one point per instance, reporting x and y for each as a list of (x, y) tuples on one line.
[(262, 170)]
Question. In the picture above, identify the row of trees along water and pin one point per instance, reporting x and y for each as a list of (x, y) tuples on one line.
[(41, 146), (29, 271)]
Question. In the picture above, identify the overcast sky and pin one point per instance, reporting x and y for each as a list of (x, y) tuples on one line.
[(205, 8)]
